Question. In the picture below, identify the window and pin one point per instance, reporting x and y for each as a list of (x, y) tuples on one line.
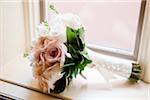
[(112, 27)]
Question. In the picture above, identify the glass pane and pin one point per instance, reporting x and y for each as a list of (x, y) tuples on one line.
[(108, 23)]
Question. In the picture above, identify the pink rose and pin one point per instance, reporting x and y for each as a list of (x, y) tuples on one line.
[(49, 56), (48, 51), (48, 78)]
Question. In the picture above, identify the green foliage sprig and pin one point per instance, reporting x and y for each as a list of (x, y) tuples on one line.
[(136, 73), (53, 8), (75, 64)]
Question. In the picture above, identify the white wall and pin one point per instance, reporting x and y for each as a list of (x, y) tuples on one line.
[(11, 30)]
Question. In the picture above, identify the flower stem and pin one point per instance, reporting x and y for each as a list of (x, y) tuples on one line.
[(53, 8)]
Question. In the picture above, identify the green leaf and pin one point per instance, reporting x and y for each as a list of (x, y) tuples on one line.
[(74, 37), (59, 85), (81, 32), (71, 35), (70, 64), (85, 54), (83, 76), (79, 59), (53, 8), (80, 43), (46, 25), (26, 55)]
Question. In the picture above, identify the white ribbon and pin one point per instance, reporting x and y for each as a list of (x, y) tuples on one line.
[(108, 67)]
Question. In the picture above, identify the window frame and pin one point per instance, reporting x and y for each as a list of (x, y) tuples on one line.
[(107, 50), (122, 53), (144, 49)]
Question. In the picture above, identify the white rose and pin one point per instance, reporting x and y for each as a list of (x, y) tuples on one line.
[(71, 20), (57, 28), (42, 29), (59, 22)]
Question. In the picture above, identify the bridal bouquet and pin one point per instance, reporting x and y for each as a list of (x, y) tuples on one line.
[(59, 54)]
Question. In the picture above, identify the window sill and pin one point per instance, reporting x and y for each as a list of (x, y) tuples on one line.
[(19, 72), (17, 93)]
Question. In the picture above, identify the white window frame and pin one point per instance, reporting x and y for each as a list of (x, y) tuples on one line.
[(31, 19), (144, 49), (107, 50), (122, 53)]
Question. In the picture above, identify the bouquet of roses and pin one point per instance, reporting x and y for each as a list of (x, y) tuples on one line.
[(59, 54)]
